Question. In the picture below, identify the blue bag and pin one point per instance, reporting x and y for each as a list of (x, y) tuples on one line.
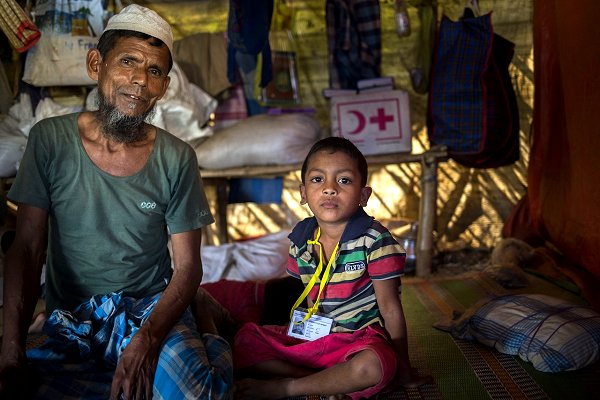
[(472, 104)]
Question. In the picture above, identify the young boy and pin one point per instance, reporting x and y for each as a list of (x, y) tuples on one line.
[(350, 266)]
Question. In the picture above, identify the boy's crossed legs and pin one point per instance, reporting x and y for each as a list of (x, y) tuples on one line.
[(360, 364), (361, 371)]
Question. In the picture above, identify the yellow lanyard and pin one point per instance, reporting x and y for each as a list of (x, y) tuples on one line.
[(313, 280)]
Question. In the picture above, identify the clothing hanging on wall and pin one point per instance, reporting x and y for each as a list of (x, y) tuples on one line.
[(248, 28), (354, 41)]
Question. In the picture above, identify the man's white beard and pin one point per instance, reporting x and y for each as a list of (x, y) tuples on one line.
[(121, 127)]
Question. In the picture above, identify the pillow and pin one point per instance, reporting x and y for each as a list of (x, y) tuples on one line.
[(552, 334), (260, 140)]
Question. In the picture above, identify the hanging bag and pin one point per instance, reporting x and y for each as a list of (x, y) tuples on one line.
[(472, 104), (69, 29)]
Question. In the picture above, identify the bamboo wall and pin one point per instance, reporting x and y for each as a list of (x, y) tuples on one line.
[(472, 204)]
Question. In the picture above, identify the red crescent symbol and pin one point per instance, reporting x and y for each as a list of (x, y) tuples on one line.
[(362, 122)]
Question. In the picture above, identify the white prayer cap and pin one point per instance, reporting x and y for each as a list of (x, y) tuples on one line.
[(142, 19)]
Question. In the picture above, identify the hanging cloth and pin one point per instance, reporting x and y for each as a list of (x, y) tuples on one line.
[(248, 26), (354, 41)]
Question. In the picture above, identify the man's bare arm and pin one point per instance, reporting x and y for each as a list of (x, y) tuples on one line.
[(135, 372), (22, 272)]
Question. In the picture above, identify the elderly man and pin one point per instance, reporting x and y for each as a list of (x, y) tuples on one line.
[(99, 195)]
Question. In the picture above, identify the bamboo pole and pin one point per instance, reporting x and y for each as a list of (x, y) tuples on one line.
[(427, 215)]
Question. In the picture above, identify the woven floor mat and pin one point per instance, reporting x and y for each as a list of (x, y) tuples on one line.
[(469, 370), (428, 392), (462, 369)]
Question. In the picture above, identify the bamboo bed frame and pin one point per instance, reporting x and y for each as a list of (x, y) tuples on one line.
[(427, 209)]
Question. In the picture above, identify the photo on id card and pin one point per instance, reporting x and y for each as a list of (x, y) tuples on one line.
[(313, 328)]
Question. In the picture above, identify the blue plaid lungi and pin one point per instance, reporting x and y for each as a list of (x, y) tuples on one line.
[(83, 348)]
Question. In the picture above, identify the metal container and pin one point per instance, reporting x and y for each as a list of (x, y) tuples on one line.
[(408, 240)]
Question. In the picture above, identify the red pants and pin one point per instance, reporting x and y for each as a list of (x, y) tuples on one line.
[(254, 344)]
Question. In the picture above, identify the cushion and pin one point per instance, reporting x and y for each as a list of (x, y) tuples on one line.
[(552, 334)]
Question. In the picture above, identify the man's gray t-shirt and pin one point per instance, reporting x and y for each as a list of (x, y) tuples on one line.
[(107, 233)]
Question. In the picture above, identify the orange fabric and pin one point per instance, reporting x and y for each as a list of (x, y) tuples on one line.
[(563, 201), (520, 224)]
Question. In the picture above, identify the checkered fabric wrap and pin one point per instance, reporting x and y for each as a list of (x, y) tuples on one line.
[(457, 94), (84, 347), (354, 41), (548, 332)]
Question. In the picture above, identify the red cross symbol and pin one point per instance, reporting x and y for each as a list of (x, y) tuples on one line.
[(381, 119), (372, 121)]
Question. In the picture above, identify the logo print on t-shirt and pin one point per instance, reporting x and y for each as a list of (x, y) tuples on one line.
[(147, 205), (202, 213), (354, 266)]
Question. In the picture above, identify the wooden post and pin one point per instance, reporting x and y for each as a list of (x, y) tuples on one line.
[(427, 215), (222, 188)]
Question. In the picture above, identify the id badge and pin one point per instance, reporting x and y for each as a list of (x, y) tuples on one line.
[(313, 328)]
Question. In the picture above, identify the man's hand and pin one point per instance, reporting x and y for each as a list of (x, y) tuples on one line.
[(134, 376)]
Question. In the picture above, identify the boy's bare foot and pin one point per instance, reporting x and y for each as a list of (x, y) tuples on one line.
[(37, 323), (414, 380), (338, 397), (256, 389)]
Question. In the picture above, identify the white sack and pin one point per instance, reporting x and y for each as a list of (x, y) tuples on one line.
[(216, 261), (12, 146), (15, 127), (260, 259), (22, 113), (260, 140), (47, 108), (252, 260), (69, 29), (58, 61), (184, 108)]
